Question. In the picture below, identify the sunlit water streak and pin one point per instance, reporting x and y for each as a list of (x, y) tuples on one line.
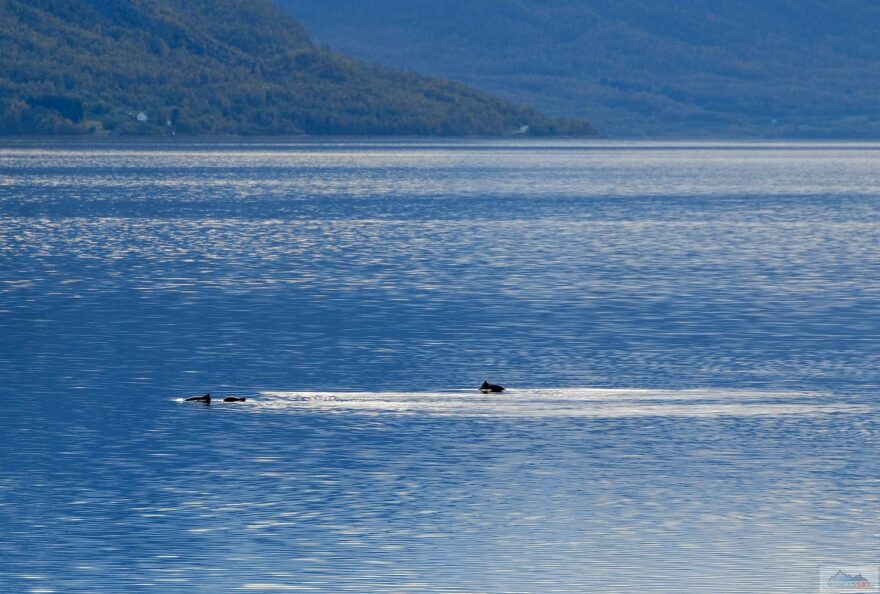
[(542, 403), (689, 332)]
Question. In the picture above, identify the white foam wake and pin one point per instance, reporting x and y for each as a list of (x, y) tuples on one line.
[(568, 402)]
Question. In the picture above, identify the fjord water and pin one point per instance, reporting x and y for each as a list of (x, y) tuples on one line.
[(689, 330)]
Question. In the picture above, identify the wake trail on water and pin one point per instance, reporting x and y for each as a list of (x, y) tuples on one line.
[(566, 402)]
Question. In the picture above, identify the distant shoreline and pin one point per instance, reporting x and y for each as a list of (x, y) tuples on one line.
[(391, 138)]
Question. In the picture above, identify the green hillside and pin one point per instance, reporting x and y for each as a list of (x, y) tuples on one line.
[(217, 67), (772, 68)]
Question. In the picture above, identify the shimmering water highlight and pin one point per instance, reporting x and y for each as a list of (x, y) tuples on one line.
[(689, 332)]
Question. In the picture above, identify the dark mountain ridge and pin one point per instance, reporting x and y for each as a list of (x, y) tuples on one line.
[(774, 68), (217, 67)]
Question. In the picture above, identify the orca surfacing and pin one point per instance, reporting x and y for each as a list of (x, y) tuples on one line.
[(487, 388)]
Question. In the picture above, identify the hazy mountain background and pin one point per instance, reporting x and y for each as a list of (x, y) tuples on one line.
[(801, 68), (217, 67)]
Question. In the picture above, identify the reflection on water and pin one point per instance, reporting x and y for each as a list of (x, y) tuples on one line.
[(721, 301)]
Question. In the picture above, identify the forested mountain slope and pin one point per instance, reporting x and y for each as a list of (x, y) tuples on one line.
[(216, 67), (771, 68)]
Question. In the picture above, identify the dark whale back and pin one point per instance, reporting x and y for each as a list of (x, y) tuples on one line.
[(206, 399), (487, 387), (234, 399)]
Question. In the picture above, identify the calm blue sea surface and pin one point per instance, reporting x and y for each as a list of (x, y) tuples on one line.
[(690, 332)]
